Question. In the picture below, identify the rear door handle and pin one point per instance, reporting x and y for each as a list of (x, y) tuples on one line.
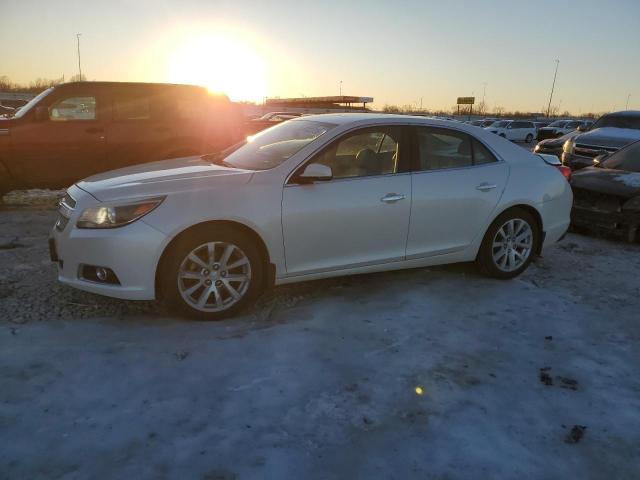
[(94, 130), (485, 187), (392, 197)]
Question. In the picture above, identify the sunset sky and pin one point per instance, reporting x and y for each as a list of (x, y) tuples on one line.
[(395, 51)]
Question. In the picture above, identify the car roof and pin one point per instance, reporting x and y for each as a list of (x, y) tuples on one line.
[(624, 113), (376, 118)]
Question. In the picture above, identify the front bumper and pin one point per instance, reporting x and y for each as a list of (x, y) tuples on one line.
[(132, 252), (621, 224)]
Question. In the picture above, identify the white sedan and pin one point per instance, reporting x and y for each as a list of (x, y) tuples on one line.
[(315, 197), (515, 130)]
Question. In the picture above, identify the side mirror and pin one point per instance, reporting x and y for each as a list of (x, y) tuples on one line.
[(42, 113), (583, 128), (315, 172)]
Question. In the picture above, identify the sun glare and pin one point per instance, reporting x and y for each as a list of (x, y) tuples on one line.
[(222, 63)]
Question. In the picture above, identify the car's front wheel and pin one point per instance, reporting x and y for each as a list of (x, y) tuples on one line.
[(509, 244), (529, 138), (213, 274)]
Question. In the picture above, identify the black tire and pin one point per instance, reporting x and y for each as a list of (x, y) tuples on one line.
[(485, 259), (168, 283), (529, 138)]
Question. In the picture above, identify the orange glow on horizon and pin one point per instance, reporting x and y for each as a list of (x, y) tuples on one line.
[(224, 62)]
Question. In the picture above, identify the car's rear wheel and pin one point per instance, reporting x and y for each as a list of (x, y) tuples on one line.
[(211, 275), (529, 138), (509, 244)]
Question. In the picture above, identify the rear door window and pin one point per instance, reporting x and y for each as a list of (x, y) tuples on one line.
[(131, 106), (440, 149)]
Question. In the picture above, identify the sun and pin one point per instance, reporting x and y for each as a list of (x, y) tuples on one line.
[(224, 63)]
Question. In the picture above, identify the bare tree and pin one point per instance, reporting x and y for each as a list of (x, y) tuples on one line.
[(498, 110), (391, 109)]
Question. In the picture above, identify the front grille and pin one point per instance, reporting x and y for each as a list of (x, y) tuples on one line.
[(600, 202), (65, 210), (61, 222), (69, 201), (591, 151)]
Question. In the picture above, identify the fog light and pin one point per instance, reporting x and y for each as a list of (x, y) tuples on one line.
[(98, 274), (102, 274)]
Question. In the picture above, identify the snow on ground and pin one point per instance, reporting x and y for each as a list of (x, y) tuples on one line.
[(319, 380)]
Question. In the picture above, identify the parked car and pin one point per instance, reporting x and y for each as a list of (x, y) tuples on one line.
[(607, 195), (9, 111), (607, 135), (553, 146), (515, 130), (277, 116), (305, 200), (74, 130), (561, 127)]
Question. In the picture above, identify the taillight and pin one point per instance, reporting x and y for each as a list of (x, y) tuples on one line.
[(565, 171)]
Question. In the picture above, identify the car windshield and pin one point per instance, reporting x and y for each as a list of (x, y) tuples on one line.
[(558, 123), (627, 159), (271, 147), (23, 110), (618, 121)]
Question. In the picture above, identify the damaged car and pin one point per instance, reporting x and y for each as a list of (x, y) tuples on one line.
[(610, 133), (553, 146), (607, 195)]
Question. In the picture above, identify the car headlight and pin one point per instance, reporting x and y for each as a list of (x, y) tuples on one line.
[(568, 147), (536, 148), (117, 215)]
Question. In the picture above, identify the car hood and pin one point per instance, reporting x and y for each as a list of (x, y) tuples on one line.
[(161, 178), (609, 137), (605, 180), (557, 142)]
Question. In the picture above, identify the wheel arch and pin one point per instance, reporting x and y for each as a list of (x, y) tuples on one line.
[(533, 212), (270, 271)]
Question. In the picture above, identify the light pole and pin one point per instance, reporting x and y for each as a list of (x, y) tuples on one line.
[(627, 105), (79, 64), (340, 87), (553, 86), (484, 93)]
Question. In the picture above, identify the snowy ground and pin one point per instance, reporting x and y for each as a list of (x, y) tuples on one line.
[(319, 380)]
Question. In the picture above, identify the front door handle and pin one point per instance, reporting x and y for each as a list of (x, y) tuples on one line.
[(392, 197), (485, 187)]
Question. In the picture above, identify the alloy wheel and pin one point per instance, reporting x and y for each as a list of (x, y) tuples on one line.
[(214, 276), (512, 245)]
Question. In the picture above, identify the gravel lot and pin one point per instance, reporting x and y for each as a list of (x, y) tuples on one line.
[(428, 373)]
